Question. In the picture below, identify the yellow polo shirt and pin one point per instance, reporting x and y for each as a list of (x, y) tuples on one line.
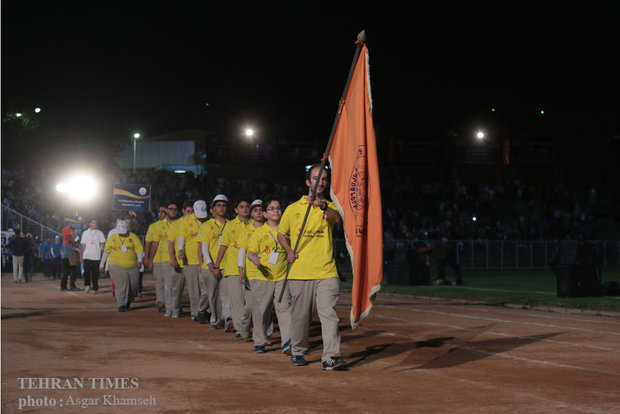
[(251, 272), (189, 230), (173, 232), (127, 258), (161, 236), (211, 232), (231, 238), (316, 249), (264, 243)]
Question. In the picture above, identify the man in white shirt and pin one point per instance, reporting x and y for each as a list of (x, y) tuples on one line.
[(92, 244)]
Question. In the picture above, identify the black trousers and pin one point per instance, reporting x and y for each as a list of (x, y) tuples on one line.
[(91, 273), (68, 271)]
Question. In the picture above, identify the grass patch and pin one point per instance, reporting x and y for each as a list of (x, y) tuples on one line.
[(529, 288)]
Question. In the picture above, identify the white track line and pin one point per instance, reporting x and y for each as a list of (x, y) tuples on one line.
[(541, 315), (457, 315), (204, 348)]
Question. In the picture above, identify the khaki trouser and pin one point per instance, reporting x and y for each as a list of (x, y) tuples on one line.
[(159, 270), (193, 287), (235, 298), (304, 295), (265, 297), (210, 295), (125, 282), (174, 284), (18, 268)]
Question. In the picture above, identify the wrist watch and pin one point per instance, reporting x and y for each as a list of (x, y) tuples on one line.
[(324, 207)]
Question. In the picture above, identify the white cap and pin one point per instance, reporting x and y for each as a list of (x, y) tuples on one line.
[(200, 209), (256, 203), (121, 227), (219, 197)]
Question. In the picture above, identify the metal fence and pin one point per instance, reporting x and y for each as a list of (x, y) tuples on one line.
[(11, 219), (488, 254)]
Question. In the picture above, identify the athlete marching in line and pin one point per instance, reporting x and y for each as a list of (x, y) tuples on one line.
[(153, 261), (187, 245), (209, 242), (177, 281), (269, 258), (227, 259)]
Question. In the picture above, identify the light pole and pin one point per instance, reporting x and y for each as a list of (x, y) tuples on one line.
[(136, 135)]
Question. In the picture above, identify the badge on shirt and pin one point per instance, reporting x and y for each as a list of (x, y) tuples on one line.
[(273, 258), (124, 248)]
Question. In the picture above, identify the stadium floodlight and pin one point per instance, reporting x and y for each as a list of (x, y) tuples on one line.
[(80, 187), (37, 110), (249, 132), (480, 135)]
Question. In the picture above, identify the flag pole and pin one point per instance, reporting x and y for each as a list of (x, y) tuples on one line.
[(361, 39)]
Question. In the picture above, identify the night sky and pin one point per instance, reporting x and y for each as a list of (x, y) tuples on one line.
[(103, 69)]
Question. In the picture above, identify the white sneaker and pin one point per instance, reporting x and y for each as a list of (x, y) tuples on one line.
[(86, 289)]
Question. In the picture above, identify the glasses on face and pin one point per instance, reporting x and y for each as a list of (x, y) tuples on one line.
[(274, 208), (220, 205)]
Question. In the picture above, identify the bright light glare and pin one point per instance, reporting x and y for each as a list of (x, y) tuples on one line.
[(249, 132), (136, 135), (18, 114), (37, 110), (480, 135), (474, 218), (80, 187)]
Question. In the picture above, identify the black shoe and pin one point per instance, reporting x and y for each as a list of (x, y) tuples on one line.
[(122, 308), (127, 306), (201, 318), (332, 363), (298, 360), (64, 289), (73, 288)]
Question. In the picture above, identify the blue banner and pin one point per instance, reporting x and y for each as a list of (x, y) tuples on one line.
[(135, 197)]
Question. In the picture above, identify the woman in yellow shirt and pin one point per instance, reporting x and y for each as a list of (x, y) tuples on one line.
[(125, 253)]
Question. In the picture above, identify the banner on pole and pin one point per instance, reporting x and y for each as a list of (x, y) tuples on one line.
[(136, 197), (355, 188)]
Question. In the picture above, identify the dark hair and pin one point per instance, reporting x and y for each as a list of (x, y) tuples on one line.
[(187, 203), (268, 201), (317, 165), (241, 200), (171, 202)]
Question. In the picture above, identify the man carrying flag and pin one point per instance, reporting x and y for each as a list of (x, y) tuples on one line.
[(313, 278)]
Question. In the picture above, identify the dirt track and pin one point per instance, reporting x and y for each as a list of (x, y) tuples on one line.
[(410, 355)]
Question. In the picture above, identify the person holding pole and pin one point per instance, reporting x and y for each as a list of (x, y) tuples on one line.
[(312, 277)]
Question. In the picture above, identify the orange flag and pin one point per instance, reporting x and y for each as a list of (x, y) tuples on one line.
[(355, 188)]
